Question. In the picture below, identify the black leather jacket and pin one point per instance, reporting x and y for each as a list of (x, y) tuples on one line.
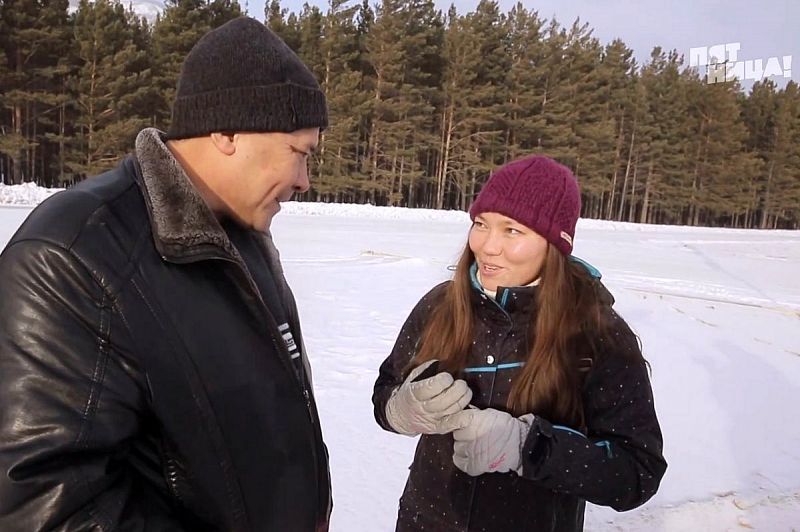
[(144, 385)]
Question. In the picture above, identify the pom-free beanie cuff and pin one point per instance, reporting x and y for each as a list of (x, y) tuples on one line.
[(291, 107)]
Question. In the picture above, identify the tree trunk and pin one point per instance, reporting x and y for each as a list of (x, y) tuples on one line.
[(765, 209), (631, 210), (392, 195), (61, 131), (627, 173), (16, 161), (445, 162), (400, 185), (373, 143), (616, 168), (32, 121), (471, 195), (693, 207), (645, 202), (699, 181)]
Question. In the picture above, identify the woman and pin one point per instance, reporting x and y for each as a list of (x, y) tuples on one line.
[(542, 399)]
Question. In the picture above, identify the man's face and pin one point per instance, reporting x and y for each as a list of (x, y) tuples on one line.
[(268, 168)]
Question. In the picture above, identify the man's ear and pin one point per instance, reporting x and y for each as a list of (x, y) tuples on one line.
[(224, 142)]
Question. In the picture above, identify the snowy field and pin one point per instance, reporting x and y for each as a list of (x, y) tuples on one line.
[(718, 312)]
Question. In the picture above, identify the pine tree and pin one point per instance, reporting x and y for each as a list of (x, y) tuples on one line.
[(421, 86), (619, 70), (337, 170), (475, 97), (399, 105), (275, 17), (175, 32), (35, 35), (420, 110), (594, 129), (526, 49), (218, 12), (758, 114), (663, 147), (309, 29), (718, 155), (365, 19), (781, 190), (7, 147), (789, 203), (772, 119), (559, 114), (113, 85)]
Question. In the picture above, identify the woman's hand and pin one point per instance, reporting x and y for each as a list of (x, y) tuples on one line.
[(425, 407), (489, 441)]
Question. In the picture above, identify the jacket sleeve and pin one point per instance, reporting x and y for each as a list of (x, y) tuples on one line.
[(390, 375), (619, 462), (70, 405)]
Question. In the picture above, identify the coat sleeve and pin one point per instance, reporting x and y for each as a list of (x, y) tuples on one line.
[(619, 462), (390, 375), (70, 403)]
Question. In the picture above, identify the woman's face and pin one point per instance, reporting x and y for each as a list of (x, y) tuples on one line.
[(508, 253)]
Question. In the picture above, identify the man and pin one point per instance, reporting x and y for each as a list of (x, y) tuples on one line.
[(152, 371)]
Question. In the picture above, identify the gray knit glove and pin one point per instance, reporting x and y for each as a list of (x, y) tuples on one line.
[(490, 441), (425, 407)]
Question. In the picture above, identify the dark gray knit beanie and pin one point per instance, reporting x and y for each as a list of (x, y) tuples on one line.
[(243, 77)]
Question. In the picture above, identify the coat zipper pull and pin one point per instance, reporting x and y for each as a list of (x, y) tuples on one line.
[(308, 404)]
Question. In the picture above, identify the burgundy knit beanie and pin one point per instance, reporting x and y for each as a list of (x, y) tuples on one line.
[(537, 192)]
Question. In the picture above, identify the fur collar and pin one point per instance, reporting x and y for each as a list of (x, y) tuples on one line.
[(183, 225)]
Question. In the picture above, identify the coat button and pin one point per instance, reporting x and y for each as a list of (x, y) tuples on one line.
[(490, 359)]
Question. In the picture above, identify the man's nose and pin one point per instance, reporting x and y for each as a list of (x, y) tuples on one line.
[(302, 183)]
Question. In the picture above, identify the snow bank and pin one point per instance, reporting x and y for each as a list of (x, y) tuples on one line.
[(28, 194), (31, 195)]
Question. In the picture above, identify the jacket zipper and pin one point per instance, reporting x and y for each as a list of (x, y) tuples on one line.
[(172, 478), (491, 394), (279, 345), (281, 348), (475, 480)]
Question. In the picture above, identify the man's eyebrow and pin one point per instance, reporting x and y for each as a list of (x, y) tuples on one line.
[(309, 149)]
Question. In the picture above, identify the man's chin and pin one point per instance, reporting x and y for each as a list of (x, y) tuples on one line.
[(265, 223)]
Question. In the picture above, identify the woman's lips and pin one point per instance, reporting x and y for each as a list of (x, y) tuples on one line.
[(490, 270)]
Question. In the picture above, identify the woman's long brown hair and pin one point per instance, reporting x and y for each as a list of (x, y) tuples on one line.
[(568, 310)]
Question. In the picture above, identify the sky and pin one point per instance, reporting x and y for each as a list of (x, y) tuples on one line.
[(763, 30)]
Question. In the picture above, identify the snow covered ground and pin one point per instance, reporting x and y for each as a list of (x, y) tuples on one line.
[(718, 312), (25, 194)]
